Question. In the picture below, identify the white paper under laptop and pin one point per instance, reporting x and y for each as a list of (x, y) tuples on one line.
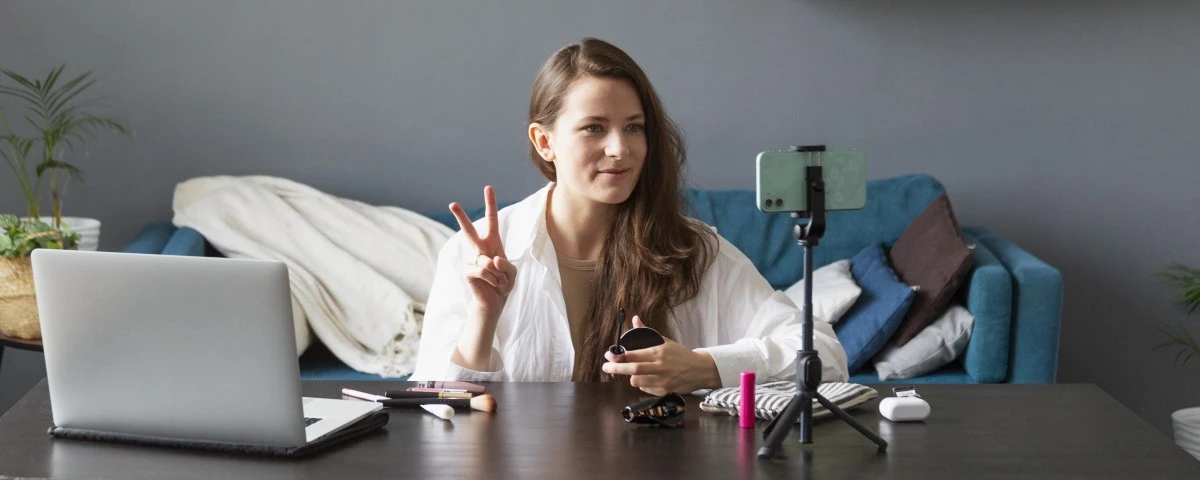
[(180, 347)]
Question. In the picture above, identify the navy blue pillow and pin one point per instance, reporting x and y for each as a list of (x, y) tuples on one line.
[(877, 313)]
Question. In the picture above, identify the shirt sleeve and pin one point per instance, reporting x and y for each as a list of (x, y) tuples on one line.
[(759, 328), (445, 315)]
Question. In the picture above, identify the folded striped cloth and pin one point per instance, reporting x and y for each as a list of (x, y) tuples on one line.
[(772, 397)]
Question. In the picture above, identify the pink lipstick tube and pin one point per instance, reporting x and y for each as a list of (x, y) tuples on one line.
[(746, 412)]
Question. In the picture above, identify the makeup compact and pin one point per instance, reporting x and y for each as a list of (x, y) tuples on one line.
[(639, 338), (634, 338), (436, 387)]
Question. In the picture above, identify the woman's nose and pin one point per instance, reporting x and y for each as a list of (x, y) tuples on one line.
[(616, 146)]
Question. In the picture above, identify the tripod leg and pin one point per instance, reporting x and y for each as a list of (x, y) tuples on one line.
[(853, 423), (782, 424), (806, 420)]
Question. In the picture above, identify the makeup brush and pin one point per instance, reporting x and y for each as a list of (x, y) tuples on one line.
[(483, 403), (410, 394)]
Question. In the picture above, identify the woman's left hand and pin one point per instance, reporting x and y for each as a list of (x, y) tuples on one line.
[(669, 367)]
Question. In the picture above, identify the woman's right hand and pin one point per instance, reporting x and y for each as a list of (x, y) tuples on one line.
[(491, 277)]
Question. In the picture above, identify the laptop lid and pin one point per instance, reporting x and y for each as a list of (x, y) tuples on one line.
[(170, 346)]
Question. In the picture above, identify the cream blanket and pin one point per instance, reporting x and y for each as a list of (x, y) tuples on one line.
[(360, 274)]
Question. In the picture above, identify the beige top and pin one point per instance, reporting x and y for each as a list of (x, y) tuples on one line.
[(577, 291)]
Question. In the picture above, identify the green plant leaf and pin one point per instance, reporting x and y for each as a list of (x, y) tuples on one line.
[(1181, 341), (25, 145), (8, 221), (53, 76), (1184, 282), (31, 86), (63, 95), (34, 226), (9, 160), (111, 124), (22, 94), (57, 165), (36, 126)]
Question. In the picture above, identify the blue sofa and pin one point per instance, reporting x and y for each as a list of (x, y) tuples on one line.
[(1015, 297)]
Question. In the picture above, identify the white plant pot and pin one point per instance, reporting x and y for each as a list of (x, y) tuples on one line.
[(87, 228), (1187, 430)]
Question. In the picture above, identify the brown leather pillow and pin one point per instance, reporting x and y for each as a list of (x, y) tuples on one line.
[(931, 254)]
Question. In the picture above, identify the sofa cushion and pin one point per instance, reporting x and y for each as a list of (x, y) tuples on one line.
[(936, 346), (151, 239), (185, 241), (873, 319), (931, 255), (952, 373), (833, 291)]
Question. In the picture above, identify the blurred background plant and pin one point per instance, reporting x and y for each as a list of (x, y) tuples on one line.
[(60, 127), (1184, 285)]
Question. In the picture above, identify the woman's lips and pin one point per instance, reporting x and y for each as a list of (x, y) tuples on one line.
[(615, 173)]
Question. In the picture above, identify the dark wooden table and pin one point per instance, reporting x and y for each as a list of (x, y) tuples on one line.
[(574, 431)]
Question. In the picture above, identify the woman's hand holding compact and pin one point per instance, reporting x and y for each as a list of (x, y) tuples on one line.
[(666, 368)]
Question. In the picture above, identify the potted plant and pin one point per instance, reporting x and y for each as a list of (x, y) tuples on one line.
[(18, 238), (1184, 282), (58, 125)]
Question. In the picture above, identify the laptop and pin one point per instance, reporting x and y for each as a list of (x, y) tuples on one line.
[(177, 347)]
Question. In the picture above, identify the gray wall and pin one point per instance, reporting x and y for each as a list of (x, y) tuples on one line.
[(1069, 126)]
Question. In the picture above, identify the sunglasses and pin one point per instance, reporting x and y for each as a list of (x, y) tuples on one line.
[(665, 411)]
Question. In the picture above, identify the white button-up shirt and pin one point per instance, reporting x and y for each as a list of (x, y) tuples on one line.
[(737, 316)]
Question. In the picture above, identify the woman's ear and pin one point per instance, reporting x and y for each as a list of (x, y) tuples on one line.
[(539, 135)]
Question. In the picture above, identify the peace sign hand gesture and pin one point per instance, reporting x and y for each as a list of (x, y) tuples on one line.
[(490, 275)]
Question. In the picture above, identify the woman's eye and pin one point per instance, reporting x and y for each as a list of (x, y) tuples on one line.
[(592, 128), (635, 127)]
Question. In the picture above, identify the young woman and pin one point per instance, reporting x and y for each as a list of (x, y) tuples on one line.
[(536, 296)]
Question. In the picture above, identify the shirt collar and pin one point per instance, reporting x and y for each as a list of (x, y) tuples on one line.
[(528, 236)]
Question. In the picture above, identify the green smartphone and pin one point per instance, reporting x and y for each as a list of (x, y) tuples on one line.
[(781, 179)]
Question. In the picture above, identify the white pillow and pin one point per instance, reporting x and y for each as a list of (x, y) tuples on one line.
[(834, 292), (934, 347)]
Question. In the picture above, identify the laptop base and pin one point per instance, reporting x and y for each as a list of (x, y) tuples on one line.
[(368, 424)]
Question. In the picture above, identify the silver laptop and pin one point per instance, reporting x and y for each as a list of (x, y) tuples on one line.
[(180, 347)]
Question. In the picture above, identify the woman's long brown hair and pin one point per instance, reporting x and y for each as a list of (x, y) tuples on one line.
[(654, 257)]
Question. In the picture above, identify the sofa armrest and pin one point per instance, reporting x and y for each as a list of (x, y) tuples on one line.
[(988, 293), (1037, 310)]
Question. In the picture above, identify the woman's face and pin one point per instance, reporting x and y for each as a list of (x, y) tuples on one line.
[(598, 143)]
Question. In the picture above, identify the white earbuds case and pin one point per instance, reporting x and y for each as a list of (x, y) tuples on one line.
[(904, 409)]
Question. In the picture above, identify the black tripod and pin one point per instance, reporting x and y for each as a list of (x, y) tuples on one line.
[(808, 364)]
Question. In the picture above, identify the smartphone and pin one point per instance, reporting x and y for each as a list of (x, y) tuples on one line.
[(781, 181)]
